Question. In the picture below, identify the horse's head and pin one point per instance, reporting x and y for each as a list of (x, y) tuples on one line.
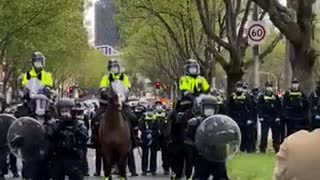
[(117, 94)]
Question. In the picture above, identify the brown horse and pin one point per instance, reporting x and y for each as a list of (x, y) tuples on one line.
[(114, 133)]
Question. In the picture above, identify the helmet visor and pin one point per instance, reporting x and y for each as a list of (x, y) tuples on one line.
[(114, 69), (193, 69), (38, 64), (208, 110), (65, 112)]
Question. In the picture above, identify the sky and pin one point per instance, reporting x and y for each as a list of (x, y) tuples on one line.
[(89, 16)]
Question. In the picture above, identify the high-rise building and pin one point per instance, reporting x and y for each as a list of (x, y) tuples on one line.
[(106, 31)]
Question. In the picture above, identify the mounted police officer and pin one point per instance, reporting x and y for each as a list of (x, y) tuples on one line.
[(295, 109), (206, 106), (37, 71), (239, 108), (68, 140), (315, 107), (269, 112), (150, 129), (191, 85)]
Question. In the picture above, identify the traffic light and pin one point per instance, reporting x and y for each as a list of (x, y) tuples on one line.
[(157, 85), (70, 90)]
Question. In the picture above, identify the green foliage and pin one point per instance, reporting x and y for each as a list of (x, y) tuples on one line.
[(159, 37), (53, 27), (91, 70)]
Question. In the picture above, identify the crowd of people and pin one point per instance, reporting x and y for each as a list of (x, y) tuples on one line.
[(158, 128)]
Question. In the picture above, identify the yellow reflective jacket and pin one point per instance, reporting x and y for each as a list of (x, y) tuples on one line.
[(44, 77), (193, 84), (105, 81)]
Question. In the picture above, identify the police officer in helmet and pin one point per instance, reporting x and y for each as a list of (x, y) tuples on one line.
[(38, 63), (68, 140), (269, 112), (295, 108), (192, 83), (207, 106), (315, 107), (239, 108)]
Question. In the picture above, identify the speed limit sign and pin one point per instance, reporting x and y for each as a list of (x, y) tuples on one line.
[(256, 32)]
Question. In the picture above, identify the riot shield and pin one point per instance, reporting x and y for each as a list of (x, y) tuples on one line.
[(218, 138), (27, 139), (5, 122)]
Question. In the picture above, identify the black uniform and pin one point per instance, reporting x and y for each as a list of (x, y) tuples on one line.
[(68, 141), (269, 110), (203, 168), (315, 109), (254, 112), (150, 129), (239, 108), (161, 117), (181, 153), (295, 109)]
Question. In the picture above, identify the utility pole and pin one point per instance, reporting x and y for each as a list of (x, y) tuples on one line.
[(255, 50)]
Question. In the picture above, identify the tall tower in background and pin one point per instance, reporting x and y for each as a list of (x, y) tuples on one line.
[(106, 31)]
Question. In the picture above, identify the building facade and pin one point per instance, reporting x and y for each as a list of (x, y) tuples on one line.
[(106, 32)]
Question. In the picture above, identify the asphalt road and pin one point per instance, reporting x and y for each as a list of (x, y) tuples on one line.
[(91, 159)]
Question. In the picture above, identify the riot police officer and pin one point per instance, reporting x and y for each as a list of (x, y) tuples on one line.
[(295, 109), (239, 108), (150, 130), (78, 114), (315, 107), (161, 117), (269, 112), (68, 140), (206, 107)]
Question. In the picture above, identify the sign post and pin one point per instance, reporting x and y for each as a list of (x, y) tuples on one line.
[(256, 32)]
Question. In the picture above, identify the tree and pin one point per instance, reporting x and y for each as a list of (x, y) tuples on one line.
[(231, 36), (91, 70), (296, 24), (54, 28), (163, 35)]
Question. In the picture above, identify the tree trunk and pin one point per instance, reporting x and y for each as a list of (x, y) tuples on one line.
[(303, 71), (232, 79)]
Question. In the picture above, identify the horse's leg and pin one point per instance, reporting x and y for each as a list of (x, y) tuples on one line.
[(122, 165), (107, 166)]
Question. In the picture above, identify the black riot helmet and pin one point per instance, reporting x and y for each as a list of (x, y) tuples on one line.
[(192, 67), (206, 105), (65, 106), (78, 111), (38, 61), (113, 66)]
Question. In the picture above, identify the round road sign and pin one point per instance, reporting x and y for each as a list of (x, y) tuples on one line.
[(256, 32)]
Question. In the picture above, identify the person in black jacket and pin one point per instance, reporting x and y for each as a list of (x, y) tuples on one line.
[(150, 129), (68, 140), (295, 109), (269, 112), (239, 108), (315, 107)]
